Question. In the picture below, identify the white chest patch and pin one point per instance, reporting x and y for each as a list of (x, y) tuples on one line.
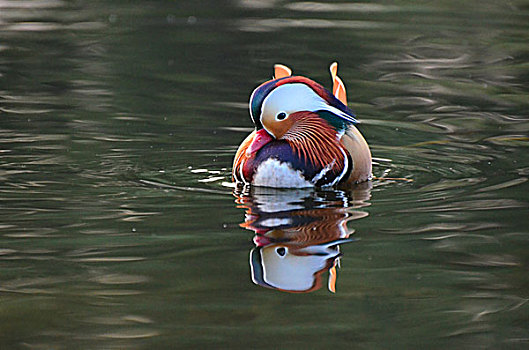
[(273, 173)]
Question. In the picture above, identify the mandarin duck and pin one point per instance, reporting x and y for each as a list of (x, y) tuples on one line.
[(305, 136)]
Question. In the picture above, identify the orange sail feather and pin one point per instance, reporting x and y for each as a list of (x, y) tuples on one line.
[(281, 71), (338, 87)]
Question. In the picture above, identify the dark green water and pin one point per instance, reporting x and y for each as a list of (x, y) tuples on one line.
[(118, 124)]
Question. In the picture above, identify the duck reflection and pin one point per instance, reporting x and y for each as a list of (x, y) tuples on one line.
[(298, 234)]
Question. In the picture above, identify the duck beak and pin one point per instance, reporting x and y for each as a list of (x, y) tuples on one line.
[(261, 138)]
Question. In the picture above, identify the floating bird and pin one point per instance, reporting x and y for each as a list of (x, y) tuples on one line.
[(305, 136)]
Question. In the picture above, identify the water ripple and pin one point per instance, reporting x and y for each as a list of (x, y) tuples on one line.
[(31, 4), (308, 6), (130, 334), (275, 24), (478, 204)]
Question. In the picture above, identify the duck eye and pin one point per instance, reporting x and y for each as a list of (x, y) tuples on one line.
[(281, 116), (281, 251)]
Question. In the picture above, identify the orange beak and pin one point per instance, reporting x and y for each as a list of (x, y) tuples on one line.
[(261, 138)]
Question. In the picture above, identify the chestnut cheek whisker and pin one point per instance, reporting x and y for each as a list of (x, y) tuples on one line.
[(316, 141)]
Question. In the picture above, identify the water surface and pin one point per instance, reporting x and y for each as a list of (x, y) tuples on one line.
[(118, 228)]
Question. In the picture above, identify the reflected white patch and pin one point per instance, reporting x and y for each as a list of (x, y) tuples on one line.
[(273, 173), (275, 222)]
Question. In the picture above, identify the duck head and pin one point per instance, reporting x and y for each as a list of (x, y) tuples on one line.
[(279, 107)]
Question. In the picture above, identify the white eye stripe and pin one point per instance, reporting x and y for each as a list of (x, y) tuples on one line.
[(336, 111), (290, 98), (295, 97)]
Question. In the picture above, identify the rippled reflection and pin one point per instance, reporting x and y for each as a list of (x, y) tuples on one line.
[(298, 234)]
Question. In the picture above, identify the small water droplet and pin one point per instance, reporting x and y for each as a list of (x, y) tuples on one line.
[(133, 229), (191, 20)]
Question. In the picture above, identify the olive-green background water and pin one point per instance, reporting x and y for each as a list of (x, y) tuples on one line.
[(118, 124)]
